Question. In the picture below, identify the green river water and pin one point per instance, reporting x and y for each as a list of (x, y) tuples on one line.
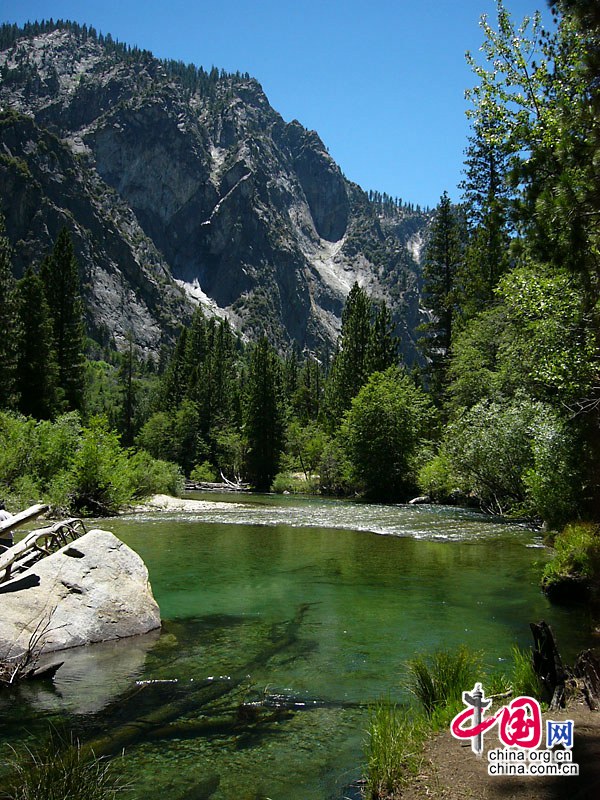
[(377, 585)]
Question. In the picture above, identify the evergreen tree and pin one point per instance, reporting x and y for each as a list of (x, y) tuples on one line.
[(351, 364), (9, 325), (263, 416), (60, 275), (443, 259), (486, 202), (37, 372), (384, 344)]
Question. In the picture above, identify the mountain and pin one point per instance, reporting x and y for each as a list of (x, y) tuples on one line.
[(182, 186)]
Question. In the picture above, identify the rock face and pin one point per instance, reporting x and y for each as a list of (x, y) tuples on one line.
[(183, 187), (93, 590)]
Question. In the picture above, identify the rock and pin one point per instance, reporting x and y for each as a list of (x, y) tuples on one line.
[(93, 590)]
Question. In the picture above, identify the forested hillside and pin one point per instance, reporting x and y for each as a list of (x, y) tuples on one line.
[(183, 187), (503, 411)]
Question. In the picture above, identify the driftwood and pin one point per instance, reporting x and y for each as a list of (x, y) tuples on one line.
[(587, 669), (548, 665), (157, 723), (7, 525), (37, 545)]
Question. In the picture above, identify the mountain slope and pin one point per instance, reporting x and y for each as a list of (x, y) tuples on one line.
[(183, 186)]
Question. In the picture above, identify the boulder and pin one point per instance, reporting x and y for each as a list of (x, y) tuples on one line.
[(93, 590)]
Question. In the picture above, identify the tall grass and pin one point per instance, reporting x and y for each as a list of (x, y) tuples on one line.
[(59, 769), (394, 749), (524, 679), (438, 681)]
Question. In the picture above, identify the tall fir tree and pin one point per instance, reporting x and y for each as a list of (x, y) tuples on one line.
[(10, 329), (37, 372), (443, 259), (383, 351), (351, 364), (60, 275), (263, 416), (486, 198)]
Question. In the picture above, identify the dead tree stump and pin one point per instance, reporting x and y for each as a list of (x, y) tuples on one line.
[(548, 665)]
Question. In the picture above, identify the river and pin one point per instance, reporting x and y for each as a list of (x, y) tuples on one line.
[(375, 585)]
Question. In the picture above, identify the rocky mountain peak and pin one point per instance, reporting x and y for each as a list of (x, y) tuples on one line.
[(185, 186)]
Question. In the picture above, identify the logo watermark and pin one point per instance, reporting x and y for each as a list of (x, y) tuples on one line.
[(520, 730)]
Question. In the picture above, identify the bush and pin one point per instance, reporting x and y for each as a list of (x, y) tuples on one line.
[(148, 476), (516, 457), (204, 473)]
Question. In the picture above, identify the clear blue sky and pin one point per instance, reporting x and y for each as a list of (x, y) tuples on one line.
[(382, 82)]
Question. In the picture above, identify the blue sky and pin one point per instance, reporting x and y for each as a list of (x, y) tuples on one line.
[(382, 82)]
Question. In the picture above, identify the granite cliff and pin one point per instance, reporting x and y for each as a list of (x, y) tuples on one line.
[(182, 187)]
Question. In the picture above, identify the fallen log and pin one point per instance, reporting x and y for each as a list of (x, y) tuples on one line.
[(194, 701)]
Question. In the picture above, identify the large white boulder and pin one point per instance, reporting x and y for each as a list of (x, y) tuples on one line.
[(92, 590)]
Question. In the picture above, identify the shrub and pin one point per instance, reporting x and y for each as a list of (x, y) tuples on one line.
[(516, 457), (203, 473), (148, 476)]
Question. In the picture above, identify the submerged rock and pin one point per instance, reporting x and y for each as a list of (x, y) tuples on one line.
[(93, 590)]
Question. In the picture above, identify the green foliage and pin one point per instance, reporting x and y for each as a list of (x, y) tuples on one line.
[(524, 679), (203, 473), (443, 258), (576, 559), (394, 746), (37, 373), (148, 476), (515, 456), (335, 470), (263, 417), (59, 769), (60, 275), (435, 478), (386, 424), (438, 680), (76, 468), (100, 471), (10, 328)]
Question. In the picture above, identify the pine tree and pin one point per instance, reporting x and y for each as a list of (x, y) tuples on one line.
[(443, 259), (60, 275), (37, 367), (350, 368), (10, 330), (384, 344), (263, 416)]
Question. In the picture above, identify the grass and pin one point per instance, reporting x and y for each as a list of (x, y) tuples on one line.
[(59, 769), (576, 563), (396, 735), (438, 681), (394, 749)]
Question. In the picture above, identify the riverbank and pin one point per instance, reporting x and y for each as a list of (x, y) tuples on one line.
[(165, 502), (451, 771)]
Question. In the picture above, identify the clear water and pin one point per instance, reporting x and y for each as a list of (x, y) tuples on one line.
[(378, 584)]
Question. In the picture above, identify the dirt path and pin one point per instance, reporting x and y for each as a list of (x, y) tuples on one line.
[(451, 771)]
